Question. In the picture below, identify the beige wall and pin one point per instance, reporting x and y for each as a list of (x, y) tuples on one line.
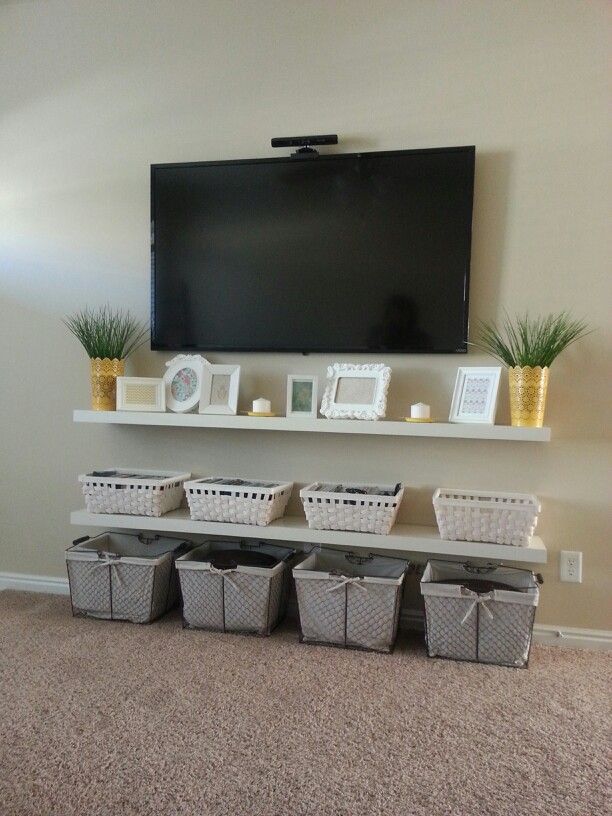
[(93, 92)]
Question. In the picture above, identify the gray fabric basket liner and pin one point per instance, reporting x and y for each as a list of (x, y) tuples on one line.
[(364, 616), (121, 576), (247, 599), (500, 633)]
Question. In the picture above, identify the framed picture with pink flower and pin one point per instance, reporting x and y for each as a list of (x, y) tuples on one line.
[(183, 381)]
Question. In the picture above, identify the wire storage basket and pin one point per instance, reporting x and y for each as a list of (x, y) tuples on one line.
[(238, 501), (354, 507), (481, 614), (479, 515), (121, 576), (225, 590), (133, 492), (349, 600)]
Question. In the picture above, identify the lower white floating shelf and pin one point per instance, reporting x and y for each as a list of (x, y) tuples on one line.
[(405, 538)]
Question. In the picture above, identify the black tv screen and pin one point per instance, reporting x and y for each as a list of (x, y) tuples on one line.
[(365, 252)]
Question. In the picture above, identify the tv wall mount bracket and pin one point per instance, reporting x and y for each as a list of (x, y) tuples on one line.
[(305, 144)]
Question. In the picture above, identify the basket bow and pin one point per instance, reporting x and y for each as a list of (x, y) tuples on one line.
[(478, 599), (108, 560), (344, 580), (224, 573)]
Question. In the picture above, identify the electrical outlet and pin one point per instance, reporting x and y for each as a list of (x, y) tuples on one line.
[(571, 566)]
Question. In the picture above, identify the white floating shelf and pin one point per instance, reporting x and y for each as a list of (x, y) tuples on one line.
[(404, 538), (308, 425)]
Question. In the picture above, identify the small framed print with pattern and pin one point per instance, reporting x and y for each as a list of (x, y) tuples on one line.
[(475, 395), (141, 394)]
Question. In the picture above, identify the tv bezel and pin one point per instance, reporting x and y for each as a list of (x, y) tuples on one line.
[(462, 349)]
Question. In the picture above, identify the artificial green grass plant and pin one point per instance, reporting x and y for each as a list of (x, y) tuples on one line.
[(530, 341), (106, 332)]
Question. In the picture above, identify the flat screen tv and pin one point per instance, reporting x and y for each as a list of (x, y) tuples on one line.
[(362, 252)]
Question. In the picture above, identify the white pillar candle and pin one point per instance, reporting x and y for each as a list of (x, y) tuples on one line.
[(262, 406), (420, 411)]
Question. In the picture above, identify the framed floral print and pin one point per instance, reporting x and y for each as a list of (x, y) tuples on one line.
[(183, 381)]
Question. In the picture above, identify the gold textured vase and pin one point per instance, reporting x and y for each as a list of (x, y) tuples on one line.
[(527, 396), (104, 375)]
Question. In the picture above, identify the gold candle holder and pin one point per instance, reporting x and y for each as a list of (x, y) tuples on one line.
[(527, 396), (104, 375)]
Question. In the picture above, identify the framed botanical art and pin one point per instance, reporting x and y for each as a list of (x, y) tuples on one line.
[(301, 396), (220, 385), (356, 391), (183, 381), (475, 395), (141, 394)]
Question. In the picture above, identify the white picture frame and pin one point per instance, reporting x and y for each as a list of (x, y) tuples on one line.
[(183, 392), (220, 385), (475, 395), (356, 391), (141, 394), (297, 397)]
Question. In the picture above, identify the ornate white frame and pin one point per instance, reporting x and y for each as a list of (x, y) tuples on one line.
[(207, 379), (487, 417), (173, 366), (376, 410), (124, 383), (293, 378)]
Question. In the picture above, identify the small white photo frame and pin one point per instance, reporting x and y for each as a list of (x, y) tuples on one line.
[(183, 381), (141, 394), (220, 384), (356, 391), (475, 395), (302, 395)]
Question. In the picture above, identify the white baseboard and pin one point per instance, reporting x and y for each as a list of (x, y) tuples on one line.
[(563, 636), (33, 583), (568, 637)]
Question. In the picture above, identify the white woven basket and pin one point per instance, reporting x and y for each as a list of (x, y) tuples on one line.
[(133, 492), (478, 515), (237, 501), (364, 513)]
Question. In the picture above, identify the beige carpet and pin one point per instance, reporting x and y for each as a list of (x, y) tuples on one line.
[(110, 719)]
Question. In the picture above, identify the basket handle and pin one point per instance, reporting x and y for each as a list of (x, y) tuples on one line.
[(358, 559), (362, 559), (476, 569), (80, 540), (145, 540), (245, 545)]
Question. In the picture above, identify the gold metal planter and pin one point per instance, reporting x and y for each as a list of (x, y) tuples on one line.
[(527, 396), (104, 375)]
